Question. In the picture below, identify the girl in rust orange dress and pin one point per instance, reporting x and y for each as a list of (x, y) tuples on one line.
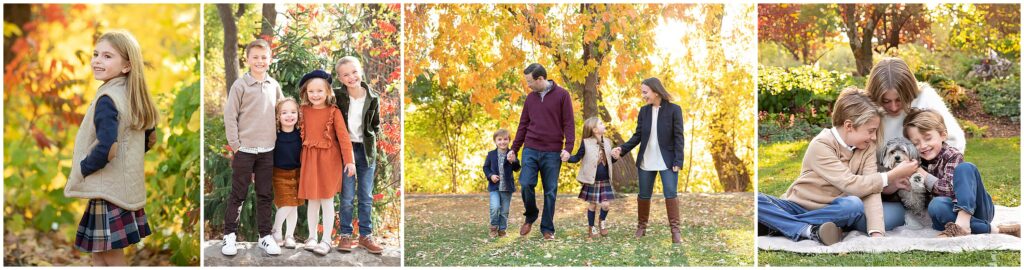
[(325, 147)]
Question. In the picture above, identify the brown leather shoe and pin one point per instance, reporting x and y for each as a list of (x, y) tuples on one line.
[(366, 242), (672, 207), (549, 236), (525, 229), (494, 232), (1011, 229), (345, 244), (501, 233), (643, 211)]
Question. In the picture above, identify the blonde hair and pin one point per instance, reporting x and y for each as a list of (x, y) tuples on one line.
[(855, 106), (892, 74), (141, 107), (500, 133), (259, 43), (589, 125), (281, 103), (331, 100), (349, 60), (924, 120)]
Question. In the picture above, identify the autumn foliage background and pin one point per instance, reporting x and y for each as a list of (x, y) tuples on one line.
[(48, 86), (464, 80), (303, 37)]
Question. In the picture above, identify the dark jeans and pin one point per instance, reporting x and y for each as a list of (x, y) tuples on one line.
[(547, 164), (970, 196), (669, 183), (791, 219), (895, 216), (361, 186), (243, 166)]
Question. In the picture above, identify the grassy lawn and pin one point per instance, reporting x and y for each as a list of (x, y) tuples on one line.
[(998, 159), (452, 231)]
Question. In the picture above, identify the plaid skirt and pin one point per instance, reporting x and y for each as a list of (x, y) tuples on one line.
[(600, 191), (106, 226)]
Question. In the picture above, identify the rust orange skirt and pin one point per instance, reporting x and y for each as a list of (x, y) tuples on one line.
[(286, 187)]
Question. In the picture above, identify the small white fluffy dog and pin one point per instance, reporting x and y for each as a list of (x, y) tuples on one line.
[(915, 200)]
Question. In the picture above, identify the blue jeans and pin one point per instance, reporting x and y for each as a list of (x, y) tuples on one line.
[(669, 183), (791, 219), (970, 196), (895, 216), (362, 185), (547, 164), (499, 209)]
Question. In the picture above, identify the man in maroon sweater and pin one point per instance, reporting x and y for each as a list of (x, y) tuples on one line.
[(546, 129)]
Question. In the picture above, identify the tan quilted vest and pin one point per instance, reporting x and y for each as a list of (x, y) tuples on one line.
[(122, 181), (588, 165)]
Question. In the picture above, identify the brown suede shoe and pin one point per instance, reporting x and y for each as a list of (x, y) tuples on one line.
[(1011, 229), (602, 227), (549, 236), (952, 230), (525, 229), (366, 242), (494, 232), (345, 244)]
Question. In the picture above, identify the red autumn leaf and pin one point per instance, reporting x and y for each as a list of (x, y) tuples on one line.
[(378, 197)]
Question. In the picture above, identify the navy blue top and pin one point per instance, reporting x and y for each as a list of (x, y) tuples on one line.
[(106, 123), (287, 149), (491, 168), (602, 169)]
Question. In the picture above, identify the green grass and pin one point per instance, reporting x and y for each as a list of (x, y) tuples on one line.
[(998, 159), (452, 231)]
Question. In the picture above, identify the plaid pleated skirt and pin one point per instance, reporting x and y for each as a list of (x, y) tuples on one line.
[(106, 226), (600, 191)]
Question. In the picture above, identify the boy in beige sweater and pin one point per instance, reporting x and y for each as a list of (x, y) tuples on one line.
[(249, 124)]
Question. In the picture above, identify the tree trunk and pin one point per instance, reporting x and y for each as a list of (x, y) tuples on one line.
[(17, 14), (861, 39), (230, 45), (269, 21), (732, 173)]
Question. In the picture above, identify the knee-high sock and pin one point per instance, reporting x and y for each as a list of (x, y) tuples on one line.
[(312, 217), (590, 218), (604, 214), (293, 217), (328, 207)]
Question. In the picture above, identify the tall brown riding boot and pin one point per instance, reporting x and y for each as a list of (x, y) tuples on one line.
[(643, 211), (672, 207)]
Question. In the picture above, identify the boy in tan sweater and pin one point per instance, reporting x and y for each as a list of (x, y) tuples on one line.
[(249, 123)]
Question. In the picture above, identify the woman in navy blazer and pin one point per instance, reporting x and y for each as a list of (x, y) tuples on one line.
[(661, 154)]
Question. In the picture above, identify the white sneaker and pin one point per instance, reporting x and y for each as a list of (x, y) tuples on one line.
[(323, 248), (268, 245), (229, 248), (310, 244), (289, 242)]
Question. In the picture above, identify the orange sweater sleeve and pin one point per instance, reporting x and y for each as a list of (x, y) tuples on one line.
[(341, 132)]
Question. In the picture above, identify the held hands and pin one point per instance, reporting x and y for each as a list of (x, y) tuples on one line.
[(350, 169), (675, 168), (511, 156), (565, 156), (617, 152), (494, 178)]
